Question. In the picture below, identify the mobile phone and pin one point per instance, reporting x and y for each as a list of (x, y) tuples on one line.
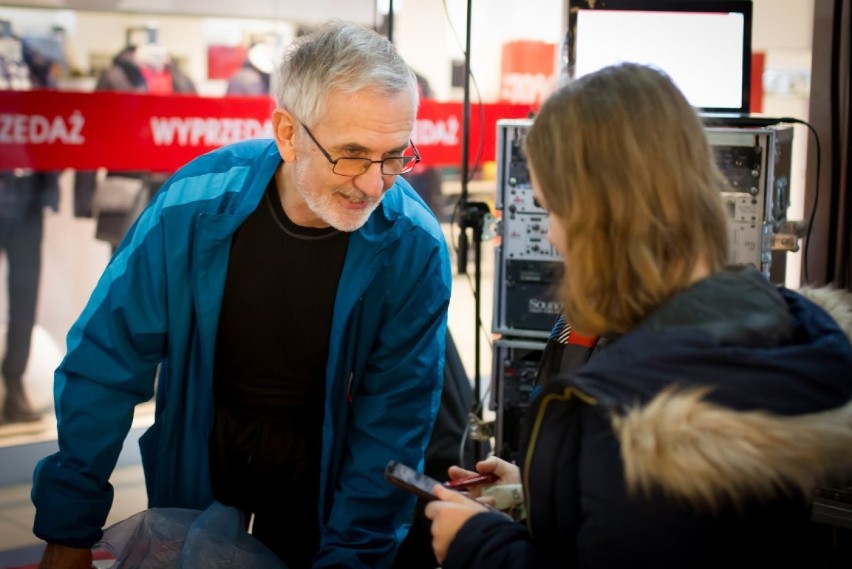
[(475, 480), (419, 484), (409, 479)]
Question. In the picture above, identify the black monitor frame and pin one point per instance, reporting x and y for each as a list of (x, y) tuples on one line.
[(743, 7)]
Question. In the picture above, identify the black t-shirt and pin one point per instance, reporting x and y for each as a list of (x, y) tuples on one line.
[(273, 335), (270, 372)]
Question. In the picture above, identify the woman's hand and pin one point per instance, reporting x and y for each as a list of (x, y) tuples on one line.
[(449, 513), (506, 472)]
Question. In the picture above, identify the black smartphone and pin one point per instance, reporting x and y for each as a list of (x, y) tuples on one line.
[(420, 485), (409, 479)]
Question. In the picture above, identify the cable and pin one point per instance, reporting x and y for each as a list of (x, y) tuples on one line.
[(812, 215), (477, 164), (461, 445)]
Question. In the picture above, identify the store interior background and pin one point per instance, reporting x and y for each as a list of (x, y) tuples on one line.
[(430, 34)]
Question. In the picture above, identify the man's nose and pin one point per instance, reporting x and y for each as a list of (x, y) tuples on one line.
[(372, 182)]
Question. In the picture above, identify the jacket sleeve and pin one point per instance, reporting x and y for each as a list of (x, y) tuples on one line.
[(490, 540), (393, 404), (112, 353)]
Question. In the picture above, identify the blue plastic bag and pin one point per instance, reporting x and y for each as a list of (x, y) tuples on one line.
[(177, 538)]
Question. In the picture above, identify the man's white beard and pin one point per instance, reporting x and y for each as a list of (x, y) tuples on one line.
[(325, 208)]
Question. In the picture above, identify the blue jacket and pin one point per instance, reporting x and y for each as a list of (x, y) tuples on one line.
[(154, 314)]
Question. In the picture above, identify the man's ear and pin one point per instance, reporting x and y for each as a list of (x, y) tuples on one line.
[(284, 126)]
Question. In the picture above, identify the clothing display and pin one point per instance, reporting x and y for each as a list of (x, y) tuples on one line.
[(370, 413), (253, 76), (757, 347), (135, 69), (44, 55), (23, 197), (14, 73), (133, 66)]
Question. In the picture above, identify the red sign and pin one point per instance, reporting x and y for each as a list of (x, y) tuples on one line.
[(52, 130), (438, 132), (758, 63), (527, 71)]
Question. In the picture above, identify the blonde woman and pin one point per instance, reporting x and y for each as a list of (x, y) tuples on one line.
[(696, 435)]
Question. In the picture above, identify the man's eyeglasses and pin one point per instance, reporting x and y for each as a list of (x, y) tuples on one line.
[(390, 166)]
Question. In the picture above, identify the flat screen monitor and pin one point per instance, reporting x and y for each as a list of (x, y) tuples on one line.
[(704, 45)]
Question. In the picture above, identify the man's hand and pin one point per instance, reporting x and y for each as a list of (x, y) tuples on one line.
[(63, 557)]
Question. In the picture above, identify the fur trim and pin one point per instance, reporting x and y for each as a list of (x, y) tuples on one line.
[(710, 456), (837, 302)]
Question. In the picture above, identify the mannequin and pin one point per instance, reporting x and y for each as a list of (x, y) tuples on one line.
[(14, 74), (155, 64), (253, 77), (123, 74), (23, 196), (145, 68), (44, 55)]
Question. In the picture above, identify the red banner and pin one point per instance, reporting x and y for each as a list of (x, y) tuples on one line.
[(527, 71), (52, 130)]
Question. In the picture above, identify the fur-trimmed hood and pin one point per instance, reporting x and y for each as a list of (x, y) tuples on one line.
[(713, 453)]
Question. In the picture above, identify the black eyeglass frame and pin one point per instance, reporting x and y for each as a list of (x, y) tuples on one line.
[(408, 162)]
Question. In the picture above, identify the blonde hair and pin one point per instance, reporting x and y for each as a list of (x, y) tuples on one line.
[(621, 158)]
